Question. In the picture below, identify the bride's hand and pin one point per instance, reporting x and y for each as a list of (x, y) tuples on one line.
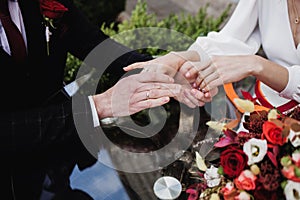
[(220, 70)]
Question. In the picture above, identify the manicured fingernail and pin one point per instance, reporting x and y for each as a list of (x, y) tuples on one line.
[(194, 85), (166, 99), (188, 74)]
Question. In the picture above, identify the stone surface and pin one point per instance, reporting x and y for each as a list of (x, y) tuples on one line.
[(164, 7)]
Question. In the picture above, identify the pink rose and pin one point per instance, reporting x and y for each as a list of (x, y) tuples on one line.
[(243, 196), (193, 194), (289, 173), (245, 181), (229, 191)]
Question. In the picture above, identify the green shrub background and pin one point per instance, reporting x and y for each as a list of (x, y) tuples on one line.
[(188, 24)]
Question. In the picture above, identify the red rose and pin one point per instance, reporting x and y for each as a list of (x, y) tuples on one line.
[(273, 133), (233, 161), (52, 9)]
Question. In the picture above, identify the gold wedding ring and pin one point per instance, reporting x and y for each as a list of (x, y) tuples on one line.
[(202, 90), (147, 94)]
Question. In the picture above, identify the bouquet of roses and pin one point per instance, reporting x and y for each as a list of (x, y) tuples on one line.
[(262, 162)]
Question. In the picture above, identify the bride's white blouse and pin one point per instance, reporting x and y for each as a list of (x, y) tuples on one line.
[(252, 24)]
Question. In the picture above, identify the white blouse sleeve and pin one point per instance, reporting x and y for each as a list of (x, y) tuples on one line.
[(239, 36), (292, 90)]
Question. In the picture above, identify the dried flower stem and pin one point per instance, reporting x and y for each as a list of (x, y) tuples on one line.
[(48, 33)]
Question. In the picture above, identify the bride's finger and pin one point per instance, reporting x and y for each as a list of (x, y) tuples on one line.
[(195, 67), (188, 102), (205, 83), (185, 68), (214, 84), (203, 76), (196, 99), (211, 93)]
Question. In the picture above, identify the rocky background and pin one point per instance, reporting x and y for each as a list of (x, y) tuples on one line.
[(164, 7)]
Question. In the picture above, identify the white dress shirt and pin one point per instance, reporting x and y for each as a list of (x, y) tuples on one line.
[(252, 24), (16, 17)]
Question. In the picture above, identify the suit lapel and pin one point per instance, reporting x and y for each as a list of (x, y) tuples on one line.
[(4, 54)]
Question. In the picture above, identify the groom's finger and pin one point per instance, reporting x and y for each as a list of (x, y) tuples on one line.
[(172, 87), (152, 94), (137, 65), (153, 77), (150, 103)]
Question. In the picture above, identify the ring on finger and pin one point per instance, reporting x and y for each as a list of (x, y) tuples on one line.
[(202, 90), (147, 94), (145, 69)]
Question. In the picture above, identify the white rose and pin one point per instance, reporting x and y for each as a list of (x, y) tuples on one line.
[(291, 189), (212, 176), (294, 137), (255, 149)]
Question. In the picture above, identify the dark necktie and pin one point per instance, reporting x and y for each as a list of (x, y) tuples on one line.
[(14, 36)]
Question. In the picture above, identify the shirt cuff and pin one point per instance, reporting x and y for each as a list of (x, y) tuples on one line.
[(94, 112), (292, 90), (202, 54)]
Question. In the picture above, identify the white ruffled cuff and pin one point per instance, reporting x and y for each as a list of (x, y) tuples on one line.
[(292, 90)]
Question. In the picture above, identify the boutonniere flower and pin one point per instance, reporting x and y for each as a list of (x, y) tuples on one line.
[(51, 11)]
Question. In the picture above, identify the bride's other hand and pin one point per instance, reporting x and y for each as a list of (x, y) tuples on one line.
[(190, 96), (200, 98)]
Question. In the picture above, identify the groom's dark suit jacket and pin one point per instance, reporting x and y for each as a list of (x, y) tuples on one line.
[(29, 84), (26, 124)]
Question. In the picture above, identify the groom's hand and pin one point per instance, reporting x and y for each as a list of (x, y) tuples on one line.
[(167, 64), (135, 93)]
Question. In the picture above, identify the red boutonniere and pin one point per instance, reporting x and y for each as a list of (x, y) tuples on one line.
[(51, 11)]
